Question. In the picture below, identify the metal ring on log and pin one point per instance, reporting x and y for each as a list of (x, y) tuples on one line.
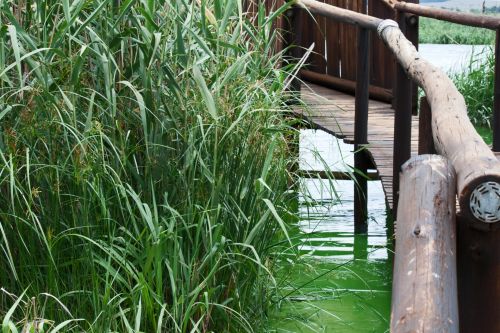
[(485, 202), (385, 24)]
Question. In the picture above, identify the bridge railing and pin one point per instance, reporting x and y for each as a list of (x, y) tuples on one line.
[(413, 11), (477, 182)]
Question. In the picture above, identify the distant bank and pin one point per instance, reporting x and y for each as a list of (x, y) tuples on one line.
[(462, 5)]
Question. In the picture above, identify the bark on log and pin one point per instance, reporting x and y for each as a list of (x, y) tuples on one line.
[(339, 14), (478, 170), (424, 289)]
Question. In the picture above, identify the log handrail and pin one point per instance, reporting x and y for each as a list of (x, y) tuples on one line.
[(478, 170), (339, 14), (473, 20)]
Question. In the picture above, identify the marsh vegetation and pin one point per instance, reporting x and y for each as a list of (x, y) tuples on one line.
[(143, 166), (475, 82), (440, 32)]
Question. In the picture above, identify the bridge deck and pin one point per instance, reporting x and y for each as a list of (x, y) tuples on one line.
[(333, 112)]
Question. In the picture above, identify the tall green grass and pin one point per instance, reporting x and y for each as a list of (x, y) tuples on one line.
[(476, 83), (143, 162)]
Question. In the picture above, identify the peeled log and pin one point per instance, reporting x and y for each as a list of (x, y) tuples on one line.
[(477, 169), (424, 292)]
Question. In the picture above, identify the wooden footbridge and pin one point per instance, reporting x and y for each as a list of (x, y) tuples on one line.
[(440, 179), (333, 112)]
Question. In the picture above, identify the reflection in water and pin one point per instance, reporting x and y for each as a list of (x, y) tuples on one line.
[(324, 215), (342, 281)]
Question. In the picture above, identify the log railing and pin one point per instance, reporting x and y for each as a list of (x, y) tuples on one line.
[(480, 21), (475, 181), (454, 135)]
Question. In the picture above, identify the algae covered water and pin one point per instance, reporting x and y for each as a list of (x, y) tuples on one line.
[(341, 281)]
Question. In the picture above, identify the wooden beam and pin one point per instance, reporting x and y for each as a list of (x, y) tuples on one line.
[(473, 20), (347, 86), (335, 175), (424, 292), (361, 130), (402, 122), (339, 14), (425, 141)]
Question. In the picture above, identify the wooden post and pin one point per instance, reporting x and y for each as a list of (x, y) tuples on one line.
[(425, 140), (412, 35), (478, 278), (291, 41), (361, 131), (496, 96), (402, 122), (424, 293), (361, 246)]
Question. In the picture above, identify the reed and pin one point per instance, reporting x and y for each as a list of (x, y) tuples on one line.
[(440, 32), (143, 165), (476, 83)]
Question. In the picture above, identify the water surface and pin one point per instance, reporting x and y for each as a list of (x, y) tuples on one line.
[(454, 58), (342, 281)]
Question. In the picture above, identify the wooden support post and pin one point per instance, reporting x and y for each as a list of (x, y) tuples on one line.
[(478, 278), (496, 96), (291, 41), (412, 35), (402, 122), (361, 131), (424, 292), (361, 246), (425, 140)]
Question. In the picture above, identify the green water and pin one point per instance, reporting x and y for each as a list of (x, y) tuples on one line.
[(341, 282)]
